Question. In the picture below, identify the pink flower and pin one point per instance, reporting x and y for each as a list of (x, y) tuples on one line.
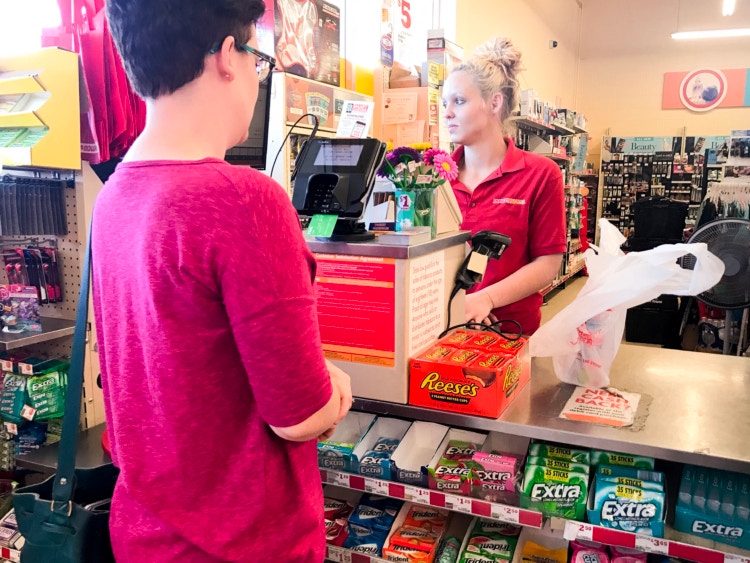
[(429, 155), (446, 166)]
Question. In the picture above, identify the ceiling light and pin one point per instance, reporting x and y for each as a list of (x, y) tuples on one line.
[(711, 33), (728, 8)]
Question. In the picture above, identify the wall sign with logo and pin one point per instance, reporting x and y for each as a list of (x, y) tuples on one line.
[(706, 88)]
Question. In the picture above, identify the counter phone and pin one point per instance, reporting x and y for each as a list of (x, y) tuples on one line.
[(335, 177)]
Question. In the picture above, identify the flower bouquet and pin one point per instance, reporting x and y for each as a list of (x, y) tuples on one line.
[(416, 171)]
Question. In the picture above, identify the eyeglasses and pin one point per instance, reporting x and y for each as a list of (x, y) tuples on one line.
[(263, 66)]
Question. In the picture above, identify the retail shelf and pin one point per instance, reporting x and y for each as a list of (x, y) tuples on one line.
[(554, 156), (343, 555), (523, 121), (586, 175), (563, 279), (51, 329), (693, 408), (563, 129), (579, 129), (674, 544), (430, 497)]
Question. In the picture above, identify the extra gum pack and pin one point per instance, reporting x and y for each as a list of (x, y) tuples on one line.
[(471, 372)]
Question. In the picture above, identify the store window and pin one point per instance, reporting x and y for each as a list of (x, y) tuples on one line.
[(22, 23)]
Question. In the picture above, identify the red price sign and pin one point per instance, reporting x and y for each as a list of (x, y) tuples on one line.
[(652, 544)]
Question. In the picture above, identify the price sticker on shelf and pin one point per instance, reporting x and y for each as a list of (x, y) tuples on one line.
[(460, 504), (732, 558), (339, 554), (339, 478), (506, 513), (417, 494), (652, 544), (377, 486), (578, 531)]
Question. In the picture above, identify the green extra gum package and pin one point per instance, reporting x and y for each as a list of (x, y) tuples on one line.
[(555, 492), (540, 449)]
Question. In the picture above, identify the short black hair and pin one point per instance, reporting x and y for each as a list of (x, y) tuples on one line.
[(163, 43)]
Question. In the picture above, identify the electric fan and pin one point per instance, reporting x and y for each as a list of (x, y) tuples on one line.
[(729, 240)]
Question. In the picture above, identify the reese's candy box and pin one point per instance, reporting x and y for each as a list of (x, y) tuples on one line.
[(437, 352), (457, 338), (462, 357), (469, 380)]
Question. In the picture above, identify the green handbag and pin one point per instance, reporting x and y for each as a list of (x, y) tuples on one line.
[(65, 519)]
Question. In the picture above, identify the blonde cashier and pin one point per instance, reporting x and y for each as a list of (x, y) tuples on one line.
[(502, 188)]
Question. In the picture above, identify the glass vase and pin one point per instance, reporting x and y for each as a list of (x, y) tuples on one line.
[(424, 210), (404, 210)]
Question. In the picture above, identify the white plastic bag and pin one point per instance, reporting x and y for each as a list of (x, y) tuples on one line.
[(583, 338)]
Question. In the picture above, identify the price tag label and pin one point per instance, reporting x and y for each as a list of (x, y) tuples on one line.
[(579, 531), (411, 493), (506, 513), (7, 365), (462, 504), (339, 478), (376, 486), (422, 496), (339, 554), (651, 544), (732, 558)]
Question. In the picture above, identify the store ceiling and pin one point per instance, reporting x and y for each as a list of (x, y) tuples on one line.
[(619, 28)]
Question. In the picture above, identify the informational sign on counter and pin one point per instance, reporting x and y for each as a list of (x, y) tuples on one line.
[(601, 406), (357, 308), (426, 307)]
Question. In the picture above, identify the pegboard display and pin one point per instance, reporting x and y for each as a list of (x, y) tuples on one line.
[(69, 252)]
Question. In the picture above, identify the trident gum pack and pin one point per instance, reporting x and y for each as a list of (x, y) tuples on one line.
[(470, 372)]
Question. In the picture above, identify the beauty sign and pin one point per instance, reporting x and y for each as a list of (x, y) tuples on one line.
[(706, 88)]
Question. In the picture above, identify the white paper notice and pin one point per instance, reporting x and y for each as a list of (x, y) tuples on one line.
[(355, 119), (408, 133), (399, 107), (601, 406), (426, 302)]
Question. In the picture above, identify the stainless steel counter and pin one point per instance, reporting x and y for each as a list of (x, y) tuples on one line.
[(695, 408), (380, 250)]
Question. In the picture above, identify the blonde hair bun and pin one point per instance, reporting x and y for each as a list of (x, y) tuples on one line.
[(501, 52)]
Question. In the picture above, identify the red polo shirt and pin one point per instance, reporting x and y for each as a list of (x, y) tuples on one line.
[(524, 200)]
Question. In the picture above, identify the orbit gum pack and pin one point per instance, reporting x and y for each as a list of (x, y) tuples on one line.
[(471, 372)]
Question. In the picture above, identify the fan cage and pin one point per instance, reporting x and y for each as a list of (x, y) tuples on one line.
[(729, 240)]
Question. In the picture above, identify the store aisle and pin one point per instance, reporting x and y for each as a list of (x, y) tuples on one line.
[(562, 298)]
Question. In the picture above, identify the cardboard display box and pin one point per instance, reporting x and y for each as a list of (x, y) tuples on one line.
[(389, 428), (416, 450), (470, 372), (336, 452)]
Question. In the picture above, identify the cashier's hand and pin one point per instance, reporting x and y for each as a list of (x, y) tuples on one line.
[(479, 308), (341, 380)]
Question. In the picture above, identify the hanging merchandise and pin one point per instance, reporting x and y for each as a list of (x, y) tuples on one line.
[(112, 115), (32, 206), (584, 338)]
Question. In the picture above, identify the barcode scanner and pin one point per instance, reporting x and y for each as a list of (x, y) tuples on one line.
[(485, 246)]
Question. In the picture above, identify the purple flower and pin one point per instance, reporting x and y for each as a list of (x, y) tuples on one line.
[(404, 154)]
